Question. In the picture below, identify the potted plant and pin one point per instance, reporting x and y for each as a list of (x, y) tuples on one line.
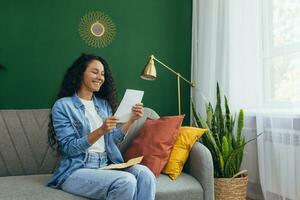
[(226, 142)]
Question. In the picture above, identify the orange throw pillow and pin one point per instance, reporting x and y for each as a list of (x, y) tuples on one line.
[(155, 142)]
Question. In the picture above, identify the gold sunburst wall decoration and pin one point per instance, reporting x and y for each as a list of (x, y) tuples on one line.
[(97, 29)]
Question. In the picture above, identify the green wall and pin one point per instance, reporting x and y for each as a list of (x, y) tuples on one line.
[(39, 40)]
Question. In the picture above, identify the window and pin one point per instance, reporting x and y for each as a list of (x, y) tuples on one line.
[(281, 54)]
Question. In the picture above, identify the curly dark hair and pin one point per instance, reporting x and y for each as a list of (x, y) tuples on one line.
[(72, 82)]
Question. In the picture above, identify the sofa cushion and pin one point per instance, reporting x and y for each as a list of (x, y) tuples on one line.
[(180, 152), (32, 187), (185, 187), (135, 127), (155, 142)]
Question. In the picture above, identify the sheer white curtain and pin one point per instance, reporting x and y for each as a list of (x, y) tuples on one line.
[(279, 160), (225, 48), (279, 120), (234, 42), (209, 49)]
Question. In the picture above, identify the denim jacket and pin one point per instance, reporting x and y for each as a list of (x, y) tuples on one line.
[(72, 129)]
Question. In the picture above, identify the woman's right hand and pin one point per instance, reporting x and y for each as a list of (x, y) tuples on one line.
[(109, 124)]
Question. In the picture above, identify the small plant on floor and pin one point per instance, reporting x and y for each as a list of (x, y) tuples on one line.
[(225, 141)]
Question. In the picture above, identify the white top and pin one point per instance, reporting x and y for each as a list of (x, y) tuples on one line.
[(95, 122)]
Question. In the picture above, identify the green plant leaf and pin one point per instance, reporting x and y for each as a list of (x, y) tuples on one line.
[(225, 148), (230, 167), (227, 116), (219, 116), (233, 163), (221, 164), (209, 115), (233, 137), (240, 127), (196, 117)]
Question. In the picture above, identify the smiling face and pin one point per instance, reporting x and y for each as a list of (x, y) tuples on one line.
[(93, 77)]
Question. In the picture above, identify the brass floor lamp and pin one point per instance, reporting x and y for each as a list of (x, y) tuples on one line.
[(149, 73)]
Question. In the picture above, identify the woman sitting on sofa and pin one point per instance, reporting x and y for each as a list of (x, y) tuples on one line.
[(84, 131)]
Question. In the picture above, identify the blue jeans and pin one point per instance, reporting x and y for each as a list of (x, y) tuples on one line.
[(133, 183)]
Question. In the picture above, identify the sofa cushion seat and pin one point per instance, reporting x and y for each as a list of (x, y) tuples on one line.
[(186, 187), (32, 187)]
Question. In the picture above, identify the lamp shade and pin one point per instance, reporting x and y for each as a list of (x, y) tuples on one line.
[(149, 72)]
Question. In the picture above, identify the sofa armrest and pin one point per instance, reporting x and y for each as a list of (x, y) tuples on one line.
[(200, 166)]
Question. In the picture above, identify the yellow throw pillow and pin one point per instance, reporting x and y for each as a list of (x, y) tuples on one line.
[(185, 140)]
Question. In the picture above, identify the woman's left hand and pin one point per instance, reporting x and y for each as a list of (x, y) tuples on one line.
[(137, 111)]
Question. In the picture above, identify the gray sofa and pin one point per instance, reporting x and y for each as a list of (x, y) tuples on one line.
[(26, 161)]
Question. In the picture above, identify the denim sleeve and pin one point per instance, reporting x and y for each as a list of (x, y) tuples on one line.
[(118, 134), (65, 134)]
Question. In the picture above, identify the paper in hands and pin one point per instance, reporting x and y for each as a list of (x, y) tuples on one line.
[(130, 98)]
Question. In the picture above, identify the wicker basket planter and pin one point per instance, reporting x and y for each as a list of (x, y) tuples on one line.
[(231, 188)]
